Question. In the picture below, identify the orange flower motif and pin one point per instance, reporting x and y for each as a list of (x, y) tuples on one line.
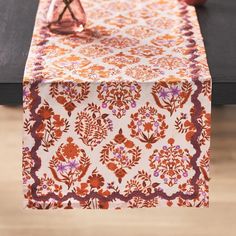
[(111, 166), (171, 163), (82, 190), (129, 144), (58, 122), (119, 42), (120, 21), (169, 62), (70, 150), (40, 130), (148, 126), (70, 106), (119, 97), (45, 112), (120, 155), (95, 50), (141, 31), (58, 133), (161, 22), (103, 205), (143, 73), (146, 51), (121, 60), (95, 72), (120, 138), (167, 40), (120, 173), (70, 164), (96, 181), (61, 99), (66, 92)]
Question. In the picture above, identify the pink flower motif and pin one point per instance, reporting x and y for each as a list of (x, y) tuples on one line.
[(119, 96), (120, 155), (171, 163), (147, 125)]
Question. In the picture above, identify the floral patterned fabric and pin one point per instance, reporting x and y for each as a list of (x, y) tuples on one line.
[(119, 116)]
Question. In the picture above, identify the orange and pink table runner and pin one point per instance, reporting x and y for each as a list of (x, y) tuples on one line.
[(118, 116)]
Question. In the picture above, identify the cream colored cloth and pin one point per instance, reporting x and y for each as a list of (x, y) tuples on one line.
[(118, 116)]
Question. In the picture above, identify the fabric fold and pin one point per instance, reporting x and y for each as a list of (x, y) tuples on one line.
[(118, 116)]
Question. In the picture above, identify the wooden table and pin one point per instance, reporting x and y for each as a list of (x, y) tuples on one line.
[(217, 20)]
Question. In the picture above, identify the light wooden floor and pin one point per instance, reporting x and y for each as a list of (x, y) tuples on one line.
[(220, 219)]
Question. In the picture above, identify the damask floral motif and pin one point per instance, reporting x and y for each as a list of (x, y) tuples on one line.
[(142, 182), (146, 51), (70, 163), (141, 32), (120, 155), (120, 21), (69, 93), (143, 73), (96, 72), (168, 62), (100, 31), (171, 95), (95, 182), (95, 50), (171, 163), (51, 127), (27, 164), (53, 50), (119, 42), (202, 198), (162, 22), (87, 36), (143, 13), (119, 96), (71, 63), (92, 125), (167, 40), (147, 125), (47, 185), (40, 205), (184, 125), (121, 60)]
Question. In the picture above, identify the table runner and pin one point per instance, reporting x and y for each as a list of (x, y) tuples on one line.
[(119, 116)]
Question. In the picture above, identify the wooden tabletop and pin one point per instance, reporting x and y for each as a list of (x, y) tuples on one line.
[(217, 20)]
